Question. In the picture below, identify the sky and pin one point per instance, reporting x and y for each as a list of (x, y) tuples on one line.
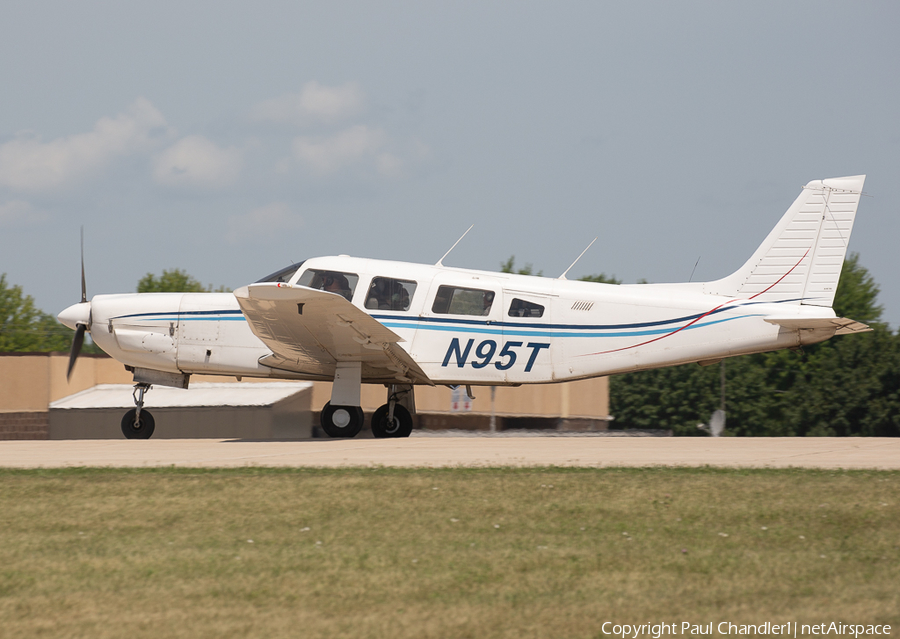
[(230, 139)]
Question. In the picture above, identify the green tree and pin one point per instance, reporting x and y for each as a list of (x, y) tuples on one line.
[(850, 387), (509, 266), (600, 278), (174, 281), (856, 296), (24, 328)]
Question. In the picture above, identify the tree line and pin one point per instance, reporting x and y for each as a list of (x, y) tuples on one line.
[(25, 328)]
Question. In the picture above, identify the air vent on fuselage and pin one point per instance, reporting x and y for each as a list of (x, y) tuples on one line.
[(582, 306)]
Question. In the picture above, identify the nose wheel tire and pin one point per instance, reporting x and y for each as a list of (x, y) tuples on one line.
[(341, 421), (400, 426), (144, 427)]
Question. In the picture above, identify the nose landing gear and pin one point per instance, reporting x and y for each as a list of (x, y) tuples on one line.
[(138, 423)]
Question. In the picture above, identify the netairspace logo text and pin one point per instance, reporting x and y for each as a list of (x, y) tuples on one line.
[(788, 629)]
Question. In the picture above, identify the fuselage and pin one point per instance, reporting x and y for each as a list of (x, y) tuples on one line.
[(462, 326)]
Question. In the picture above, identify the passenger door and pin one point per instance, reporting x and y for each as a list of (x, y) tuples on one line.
[(459, 336), (528, 337)]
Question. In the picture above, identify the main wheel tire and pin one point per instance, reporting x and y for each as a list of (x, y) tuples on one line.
[(401, 426), (342, 421), (142, 430)]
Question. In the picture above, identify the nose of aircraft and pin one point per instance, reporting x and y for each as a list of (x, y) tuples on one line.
[(76, 314)]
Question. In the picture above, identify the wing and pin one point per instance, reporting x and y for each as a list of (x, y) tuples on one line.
[(310, 331), (842, 325)]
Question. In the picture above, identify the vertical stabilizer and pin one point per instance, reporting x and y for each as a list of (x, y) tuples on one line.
[(801, 259)]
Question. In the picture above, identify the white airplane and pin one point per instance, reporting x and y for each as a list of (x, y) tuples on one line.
[(360, 321)]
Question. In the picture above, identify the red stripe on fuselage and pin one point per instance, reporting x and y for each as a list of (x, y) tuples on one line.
[(689, 324)]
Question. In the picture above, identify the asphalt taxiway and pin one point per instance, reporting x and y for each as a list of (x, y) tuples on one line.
[(437, 451)]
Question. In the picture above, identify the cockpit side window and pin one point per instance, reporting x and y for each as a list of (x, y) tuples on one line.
[(282, 275), (522, 308), (388, 294), (451, 300), (331, 281)]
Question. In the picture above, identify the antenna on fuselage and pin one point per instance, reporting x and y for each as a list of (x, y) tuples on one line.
[(563, 276), (691, 279), (440, 261)]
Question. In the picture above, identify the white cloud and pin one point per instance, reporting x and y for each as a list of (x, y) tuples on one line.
[(331, 154), (265, 222), (314, 104), (28, 164), (367, 150), (195, 161), (18, 212)]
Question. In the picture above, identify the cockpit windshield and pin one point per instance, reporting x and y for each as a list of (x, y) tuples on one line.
[(282, 275)]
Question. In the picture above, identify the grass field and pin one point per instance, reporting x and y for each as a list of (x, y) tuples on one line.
[(440, 553)]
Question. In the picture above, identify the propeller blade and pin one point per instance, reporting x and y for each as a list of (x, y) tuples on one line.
[(76, 348), (83, 285)]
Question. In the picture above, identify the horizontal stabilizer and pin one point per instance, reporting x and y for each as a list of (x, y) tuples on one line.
[(842, 325)]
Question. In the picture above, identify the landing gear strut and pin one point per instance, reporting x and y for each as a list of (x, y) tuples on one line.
[(394, 418), (138, 423), (342, 416)]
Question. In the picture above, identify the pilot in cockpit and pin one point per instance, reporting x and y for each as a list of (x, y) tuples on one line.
[(336, 283)]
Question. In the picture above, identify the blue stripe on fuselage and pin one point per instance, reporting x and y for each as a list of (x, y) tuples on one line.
[(485, 327), (546, 326), (186, 316), (507, 330)]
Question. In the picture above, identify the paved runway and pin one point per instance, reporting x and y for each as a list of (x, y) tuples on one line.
[(436, 451)]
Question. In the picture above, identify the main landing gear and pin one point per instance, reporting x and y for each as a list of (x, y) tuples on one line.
[(394, 419), (342, 421), (138, 423), (343, 417)]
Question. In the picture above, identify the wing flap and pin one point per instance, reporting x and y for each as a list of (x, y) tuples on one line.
[(309, 331)]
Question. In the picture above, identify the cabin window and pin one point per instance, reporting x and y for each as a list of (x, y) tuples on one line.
[(388, 294), (282, 275), (451, 300), (331, 281), (522, 308)]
